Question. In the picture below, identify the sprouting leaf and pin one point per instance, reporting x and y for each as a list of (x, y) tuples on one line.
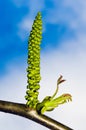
[(49, 103), (60, 80)]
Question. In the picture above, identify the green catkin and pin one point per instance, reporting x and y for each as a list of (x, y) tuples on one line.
[(33, 70)]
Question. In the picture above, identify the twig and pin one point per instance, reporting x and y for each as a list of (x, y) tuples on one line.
[(24, 111)]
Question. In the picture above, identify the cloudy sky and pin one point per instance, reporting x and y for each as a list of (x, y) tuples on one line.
[(63, 51)]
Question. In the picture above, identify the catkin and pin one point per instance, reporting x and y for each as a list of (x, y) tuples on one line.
[(33, 70)]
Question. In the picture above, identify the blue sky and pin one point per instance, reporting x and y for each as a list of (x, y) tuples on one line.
[(63, 51)]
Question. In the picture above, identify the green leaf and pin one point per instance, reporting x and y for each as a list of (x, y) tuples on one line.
[(49, 103)]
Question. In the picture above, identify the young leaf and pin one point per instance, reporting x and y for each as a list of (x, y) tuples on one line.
[(49, 103)]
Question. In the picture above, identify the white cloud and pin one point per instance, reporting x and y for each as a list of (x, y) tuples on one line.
[(35, 6), (25, 27), (11, 85), (26, 23), (20, 3), (72, 13), (32, 5)]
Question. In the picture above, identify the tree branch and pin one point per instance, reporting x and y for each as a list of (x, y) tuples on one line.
[(24, 111)]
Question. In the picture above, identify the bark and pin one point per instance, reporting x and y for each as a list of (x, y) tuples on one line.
[(24, 111)]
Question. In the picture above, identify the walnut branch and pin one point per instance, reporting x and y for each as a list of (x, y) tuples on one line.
[(24, 111)]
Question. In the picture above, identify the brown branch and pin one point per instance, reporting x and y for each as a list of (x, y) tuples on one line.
[(24, 111)]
